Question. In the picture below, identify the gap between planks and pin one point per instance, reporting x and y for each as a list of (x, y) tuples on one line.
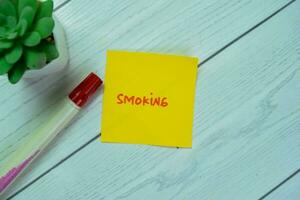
[(280, 184), (61, 5), (204, 61)]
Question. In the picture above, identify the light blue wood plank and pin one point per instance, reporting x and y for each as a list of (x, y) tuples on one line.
[(246, 132), (196, 28), (59, 3), (288, 191)]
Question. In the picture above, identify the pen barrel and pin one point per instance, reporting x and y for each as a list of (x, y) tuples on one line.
[(33, 145), (46, 133)]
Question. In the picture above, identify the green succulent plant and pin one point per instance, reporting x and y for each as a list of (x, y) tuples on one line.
[(26, 39)]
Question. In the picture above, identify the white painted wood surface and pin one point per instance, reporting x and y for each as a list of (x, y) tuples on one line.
[(228, 85), (252, 147), (290, 190)]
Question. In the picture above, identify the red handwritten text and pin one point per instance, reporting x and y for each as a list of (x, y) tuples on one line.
[(143, 101)]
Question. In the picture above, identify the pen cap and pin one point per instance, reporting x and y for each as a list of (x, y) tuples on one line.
[(85, 89)]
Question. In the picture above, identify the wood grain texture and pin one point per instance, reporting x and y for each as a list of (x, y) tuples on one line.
[(290, 190), (246, 132), (59, 3), (198, 28)]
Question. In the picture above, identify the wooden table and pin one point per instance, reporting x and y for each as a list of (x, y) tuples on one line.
[(246, 136)]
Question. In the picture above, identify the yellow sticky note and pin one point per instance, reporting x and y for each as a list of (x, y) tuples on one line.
[(148, 99)]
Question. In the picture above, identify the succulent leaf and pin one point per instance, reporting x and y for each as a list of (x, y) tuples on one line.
[(25, 36), (7, 8), (4, 66), (24, 3), (44, 26), (11, 35), (15, 2), (27, 14), (11, 21), (45, 9), (16, 73), (14, 54), (2, 19), (35, 59), (5, 44), (2, 31), (22, 27), (32, 39), (50, 50)]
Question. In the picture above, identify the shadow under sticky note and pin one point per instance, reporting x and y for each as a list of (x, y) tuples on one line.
[(149, 99)]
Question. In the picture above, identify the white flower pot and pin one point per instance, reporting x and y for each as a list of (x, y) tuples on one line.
[(57, 64)]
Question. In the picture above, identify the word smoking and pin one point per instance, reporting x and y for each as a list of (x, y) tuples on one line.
[(142, 100)]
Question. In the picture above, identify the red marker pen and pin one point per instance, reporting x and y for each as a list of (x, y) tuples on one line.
[(39, 139)]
